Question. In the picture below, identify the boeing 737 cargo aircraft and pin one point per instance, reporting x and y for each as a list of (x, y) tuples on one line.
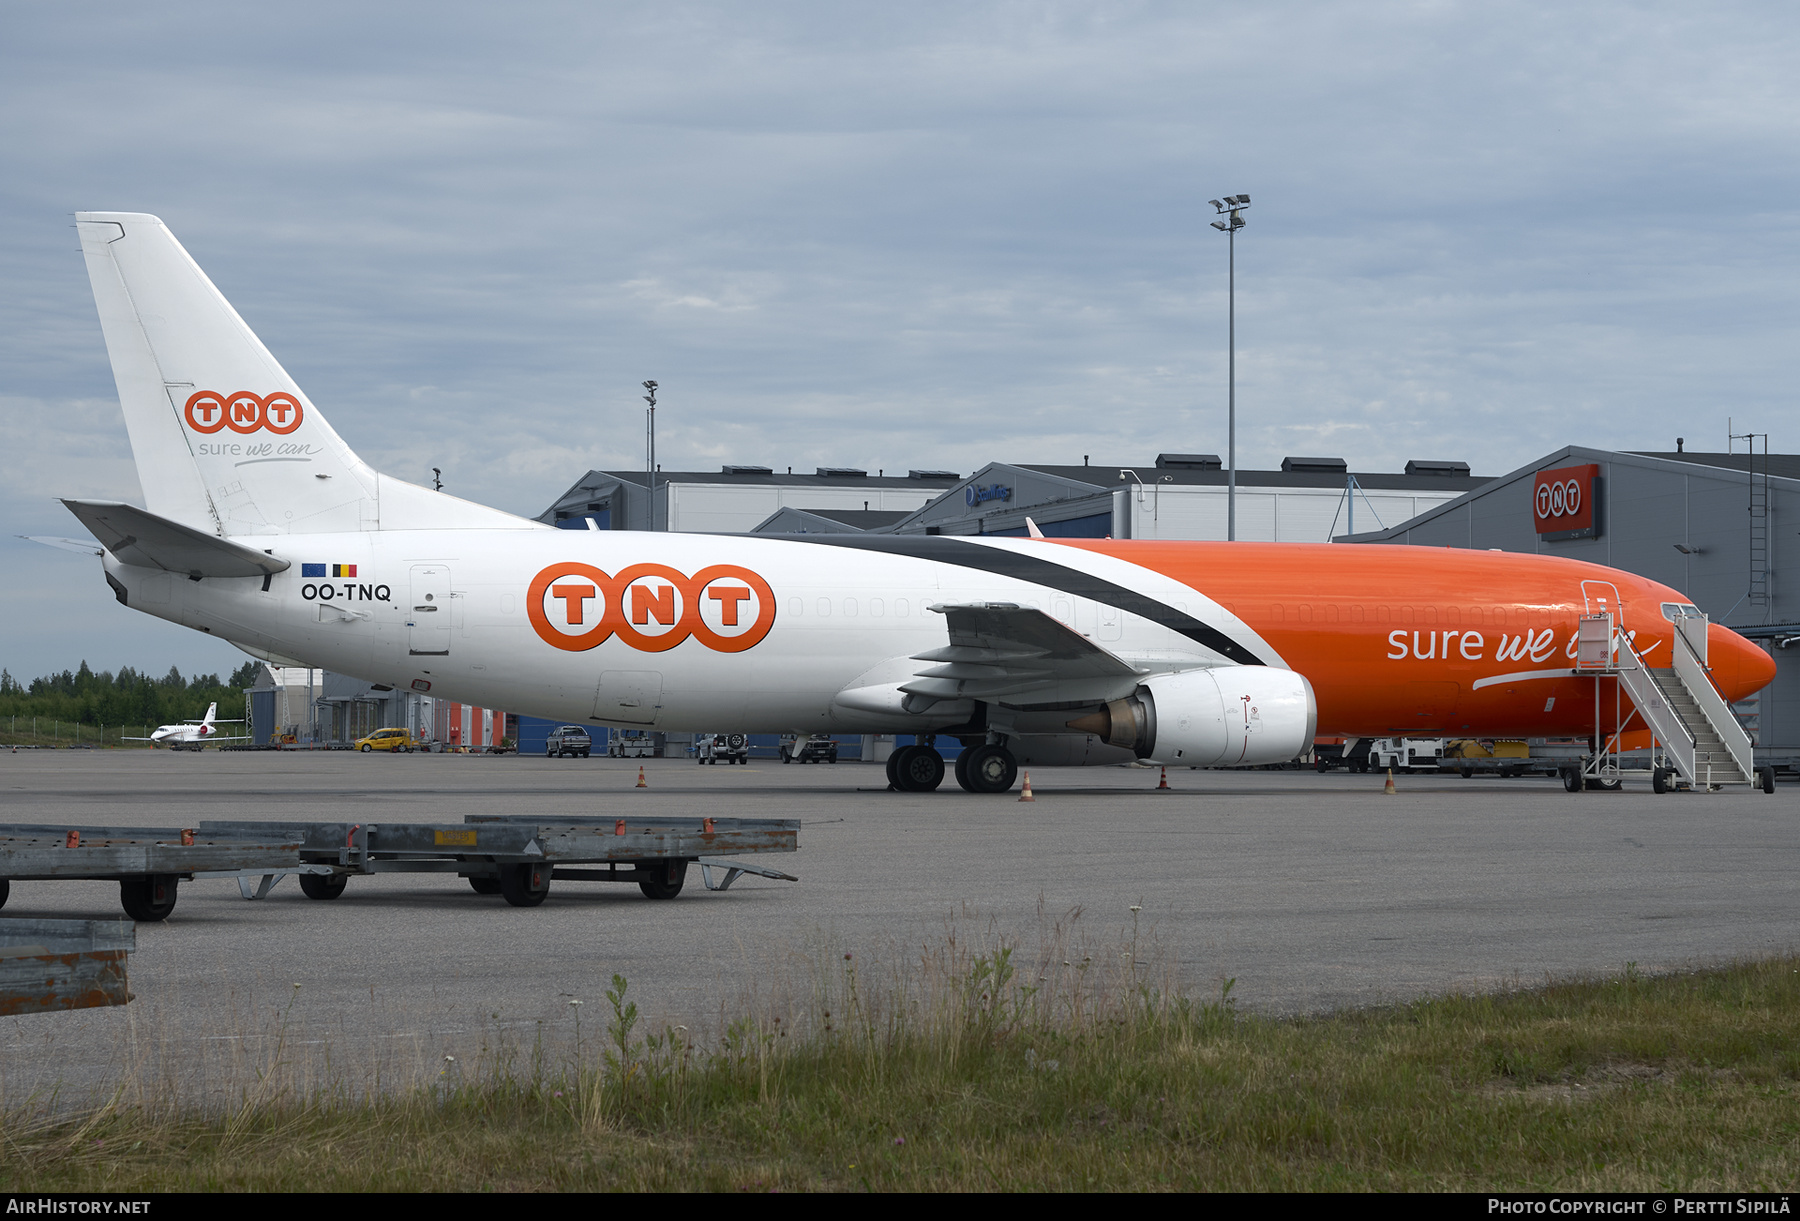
[(262, 527)]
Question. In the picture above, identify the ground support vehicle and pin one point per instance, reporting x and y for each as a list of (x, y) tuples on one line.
[(1349, 753), (1406, 754), (810, 749), (149, 863), (712, 747), (47, 965), (1471, 756), (631, 744), (515, 856), (568, 740)]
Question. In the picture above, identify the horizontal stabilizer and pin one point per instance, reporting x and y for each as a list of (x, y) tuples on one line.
[(142, 538), (80, 546)]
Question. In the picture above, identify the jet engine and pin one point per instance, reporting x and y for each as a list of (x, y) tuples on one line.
[(1225, 717)]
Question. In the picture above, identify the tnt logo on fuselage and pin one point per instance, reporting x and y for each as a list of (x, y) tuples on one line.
[(208, 411), (650, 607)]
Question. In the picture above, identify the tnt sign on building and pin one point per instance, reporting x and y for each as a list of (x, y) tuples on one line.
[(1565, 503)]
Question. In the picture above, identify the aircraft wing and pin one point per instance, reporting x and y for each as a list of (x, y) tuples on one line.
[(143, 538), (1000, 649)]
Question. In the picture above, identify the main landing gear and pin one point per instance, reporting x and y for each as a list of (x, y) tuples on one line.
[(915, 769), (987, 768)]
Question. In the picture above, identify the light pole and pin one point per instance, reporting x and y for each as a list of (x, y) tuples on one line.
[(1232, 208), (650, 448)]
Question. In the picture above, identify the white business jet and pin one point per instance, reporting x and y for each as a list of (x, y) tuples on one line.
[(193, 733)]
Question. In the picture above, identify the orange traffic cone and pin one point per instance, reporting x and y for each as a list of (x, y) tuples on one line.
[(641, 783), (1164, 782), (1388, 788), (1025, 793)]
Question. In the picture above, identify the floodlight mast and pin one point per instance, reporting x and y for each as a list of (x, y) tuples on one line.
[(1232, 209), (650, 450)]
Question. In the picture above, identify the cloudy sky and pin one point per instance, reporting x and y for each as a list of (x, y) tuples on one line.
[(894, 236)]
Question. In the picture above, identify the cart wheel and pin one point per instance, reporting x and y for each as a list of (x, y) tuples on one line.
[(5, 890), (674, 873), (323, 885), (485, 886), (148, 897), (1659, 780), (1571, 779), (525, 885), (1767, 775)]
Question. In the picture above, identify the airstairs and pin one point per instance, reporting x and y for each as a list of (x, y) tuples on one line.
[(1698, 740)]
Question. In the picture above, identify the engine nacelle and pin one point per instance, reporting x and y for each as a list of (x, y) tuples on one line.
[(1230, 716)]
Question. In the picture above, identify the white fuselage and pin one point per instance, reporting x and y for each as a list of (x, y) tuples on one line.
[(456, 612)]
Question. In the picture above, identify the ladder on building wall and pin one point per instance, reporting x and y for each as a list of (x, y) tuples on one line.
[(1759, 592), (1696, 733)]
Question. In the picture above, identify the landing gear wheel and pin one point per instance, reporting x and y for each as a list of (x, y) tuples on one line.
[(893, 761), (920, 770), (960, 769), (485, 886), (991, 769), (669, 877), (1767, 777), (322, 885), (524, 885), (1659, 780), (149, 898)]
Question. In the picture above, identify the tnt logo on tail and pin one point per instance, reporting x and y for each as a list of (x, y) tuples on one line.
[(207, 411)]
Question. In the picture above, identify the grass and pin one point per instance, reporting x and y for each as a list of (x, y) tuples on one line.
[(978, 1067)]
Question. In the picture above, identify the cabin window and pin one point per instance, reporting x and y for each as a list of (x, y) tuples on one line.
[(824, 608), (1675, 612), (796, 607), (877, 608)]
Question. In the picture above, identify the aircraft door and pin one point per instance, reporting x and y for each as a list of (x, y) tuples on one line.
[(428, 611), (1602, 597), (631, 696)]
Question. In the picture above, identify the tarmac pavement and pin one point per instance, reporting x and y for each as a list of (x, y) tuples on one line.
[(1310, 891)]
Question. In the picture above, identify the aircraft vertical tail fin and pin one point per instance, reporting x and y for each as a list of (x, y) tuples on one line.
[(212, 710), (225, 440)]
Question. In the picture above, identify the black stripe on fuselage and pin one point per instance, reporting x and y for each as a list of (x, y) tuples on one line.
[(1039, 572)]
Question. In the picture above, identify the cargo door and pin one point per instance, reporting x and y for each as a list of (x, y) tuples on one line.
[(428, 611), (631, 697)]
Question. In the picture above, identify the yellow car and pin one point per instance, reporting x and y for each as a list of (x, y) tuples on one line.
[(387, 739)]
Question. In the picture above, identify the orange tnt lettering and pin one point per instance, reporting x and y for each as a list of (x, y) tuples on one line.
[(574, 598), (728, 597), (658, 603)]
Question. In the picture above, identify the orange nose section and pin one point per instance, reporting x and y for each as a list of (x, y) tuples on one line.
[(1740, 668)]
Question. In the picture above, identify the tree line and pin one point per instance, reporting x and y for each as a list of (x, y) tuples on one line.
[(129, 697)]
